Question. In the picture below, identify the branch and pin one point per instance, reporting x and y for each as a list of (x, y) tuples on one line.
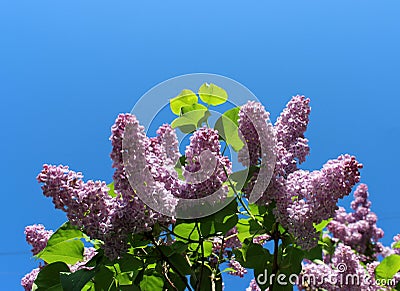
[(183, 278)]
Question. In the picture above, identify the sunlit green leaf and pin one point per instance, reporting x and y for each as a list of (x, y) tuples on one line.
[(212, 94), (64, 246), (191, 120), (152, 281), (228, 129), (185, 98), (111, 191), (320, 226), (388, 267)]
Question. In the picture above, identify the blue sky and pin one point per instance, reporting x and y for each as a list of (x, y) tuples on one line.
[(67, 68)]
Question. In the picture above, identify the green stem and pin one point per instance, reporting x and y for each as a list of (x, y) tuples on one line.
[(275, 266), (202, 257)]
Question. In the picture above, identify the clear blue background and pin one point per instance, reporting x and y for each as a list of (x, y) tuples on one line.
[(67, 68)]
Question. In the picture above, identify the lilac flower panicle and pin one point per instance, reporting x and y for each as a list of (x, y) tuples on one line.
[(291, 146), (257, 134), (252, 118), (335, 275), (238, 270), (358, 229), (306, 197), (28, 279), (232, 241), (37, 237), (289, 130), (203, 180)]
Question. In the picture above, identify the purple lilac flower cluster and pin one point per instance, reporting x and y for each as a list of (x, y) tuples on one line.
[(110, 219), (238, 270), (221, 245), (307, 198), (358, 229), (37, 236), (206, 169), (130, 214), (302, 197), (344, 272)]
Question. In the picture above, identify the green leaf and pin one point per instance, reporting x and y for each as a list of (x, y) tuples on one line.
[(314, 254), (76, 280), (138, 241), (219, 222), (111, 191), (180, 263), (64, 246), (388, 267), (320, 226), (228, 129), (186, 231), (247, 227), (208, 247), (212, 94), (129, 262), (177, 281), (193, 107), (185, 98), (49, 277), (124, 278), (291, 260), (396, 245), (263, 273), (190, 121), (255, 256), (151, 281), (104, 279), (179, 247)]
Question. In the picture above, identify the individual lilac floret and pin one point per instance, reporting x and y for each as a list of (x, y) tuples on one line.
[(238, 270), (253, 286), (28, 279), (358, 229), (37, 237), (310, 197)]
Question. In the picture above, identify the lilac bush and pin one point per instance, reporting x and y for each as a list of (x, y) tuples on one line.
[(116, 239)]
